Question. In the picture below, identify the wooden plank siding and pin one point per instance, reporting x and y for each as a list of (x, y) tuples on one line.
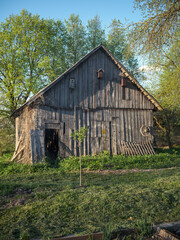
[(91, 92), (113, 120), (125, 126)]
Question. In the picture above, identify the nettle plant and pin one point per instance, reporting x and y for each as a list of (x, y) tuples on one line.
[(79, 136)]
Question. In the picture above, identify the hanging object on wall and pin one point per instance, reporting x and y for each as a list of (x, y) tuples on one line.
[(123, 80), (100, 73), (72, 83), (145, 131)]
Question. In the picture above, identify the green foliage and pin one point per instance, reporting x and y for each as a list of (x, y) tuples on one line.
[(164, 159), (107, 232), (28, 45), (117, 44), (48, 203), (144, 227), (76, 35), (6, 136), (157, 37), (158, 27), (80, 134), (95, 33), (105, 161)]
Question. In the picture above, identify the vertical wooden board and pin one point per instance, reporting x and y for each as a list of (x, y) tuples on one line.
[(106, 80), (76, 93), (33, 147), (132, 96), (59, 94), (37, 145), (62, 93), (85, 85), (134, 128), (119, 137), (127, 125), (80, 86), (130, 125), (108, 137), (99, 129), (110, 83), (94, 78), (103, 138), (119, 93), (89, 82), (90, 133), (102, 83), (124, 130), (139, 140), (135, 97), (117, 129), (75, 90), (140, 100), (95, 124), (98, 81), (113, 137), (113, 90), (85, 139), (143, 102), (74, 129), (81, 76)]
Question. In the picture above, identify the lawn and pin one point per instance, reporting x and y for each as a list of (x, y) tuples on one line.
[(43, 201)]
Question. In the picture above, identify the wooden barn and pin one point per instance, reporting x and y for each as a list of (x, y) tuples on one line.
[(97, 92)]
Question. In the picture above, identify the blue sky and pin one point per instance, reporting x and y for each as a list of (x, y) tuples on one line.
[(61, 9)]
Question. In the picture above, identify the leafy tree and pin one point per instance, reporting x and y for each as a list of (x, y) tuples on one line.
[(158, 28), (76, 42), (118, 46), (95, 33), (27, 57), (79, 136), (7, 135), (56, 37), (168, 92), (157, 37)]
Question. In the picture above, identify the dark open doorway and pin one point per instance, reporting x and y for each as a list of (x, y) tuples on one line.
[(51, 143)]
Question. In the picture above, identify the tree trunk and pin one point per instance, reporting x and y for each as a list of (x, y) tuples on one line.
[(168, 138), (168, 131)]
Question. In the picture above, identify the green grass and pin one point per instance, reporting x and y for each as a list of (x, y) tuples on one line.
[(48, 204), (45, 200)]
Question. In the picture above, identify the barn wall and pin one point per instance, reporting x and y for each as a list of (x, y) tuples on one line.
[(91, 92), (106, 128), (24, 124)]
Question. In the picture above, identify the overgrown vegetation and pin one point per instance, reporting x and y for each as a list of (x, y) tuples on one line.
[(164, 159)]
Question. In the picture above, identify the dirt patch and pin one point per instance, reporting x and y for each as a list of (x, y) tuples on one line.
[(135, 170), (19, 197)]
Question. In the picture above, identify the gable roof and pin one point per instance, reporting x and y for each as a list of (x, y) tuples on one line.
[(119, 65)]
